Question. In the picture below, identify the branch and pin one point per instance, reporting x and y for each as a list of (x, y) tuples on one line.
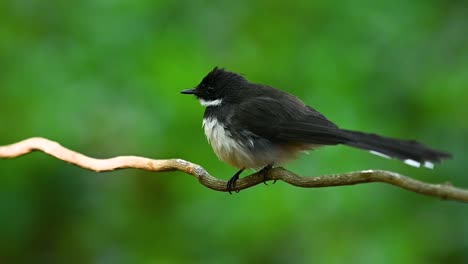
[(443, 191)]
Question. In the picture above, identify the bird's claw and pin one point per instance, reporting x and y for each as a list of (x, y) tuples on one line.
[(264, 172), (231, 184)]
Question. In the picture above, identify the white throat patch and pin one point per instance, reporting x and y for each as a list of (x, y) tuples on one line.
[(210, 103)]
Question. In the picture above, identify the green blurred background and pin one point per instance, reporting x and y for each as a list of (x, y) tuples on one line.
[(103, 78)]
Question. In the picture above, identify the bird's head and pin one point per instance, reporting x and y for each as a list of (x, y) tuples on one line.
[(218, 86)]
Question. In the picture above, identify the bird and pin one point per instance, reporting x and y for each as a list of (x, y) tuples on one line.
[(256, 126)]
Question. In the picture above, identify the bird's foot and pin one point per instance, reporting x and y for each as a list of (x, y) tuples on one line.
[(231, 184), (264, 172)]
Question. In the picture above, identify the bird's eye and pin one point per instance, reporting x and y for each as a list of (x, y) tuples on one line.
[(210, 89)]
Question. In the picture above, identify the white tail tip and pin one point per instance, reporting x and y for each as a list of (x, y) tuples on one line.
[(429, 165), (412, 163), (380, 154)]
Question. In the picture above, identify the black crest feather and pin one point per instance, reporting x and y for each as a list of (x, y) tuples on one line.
[(220, 75)]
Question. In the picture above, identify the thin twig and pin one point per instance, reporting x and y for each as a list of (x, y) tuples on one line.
[(52, 148)]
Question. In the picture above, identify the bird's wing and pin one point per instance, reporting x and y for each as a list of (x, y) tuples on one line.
[(285, 120)]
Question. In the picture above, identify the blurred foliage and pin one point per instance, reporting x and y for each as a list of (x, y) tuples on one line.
[(103, 78)]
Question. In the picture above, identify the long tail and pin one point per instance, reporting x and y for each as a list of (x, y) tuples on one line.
[(411, 152)]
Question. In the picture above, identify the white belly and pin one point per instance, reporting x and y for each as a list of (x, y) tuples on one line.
[(225, 147), (240, 155)]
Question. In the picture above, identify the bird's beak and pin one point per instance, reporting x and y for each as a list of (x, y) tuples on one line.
[(188, 91)]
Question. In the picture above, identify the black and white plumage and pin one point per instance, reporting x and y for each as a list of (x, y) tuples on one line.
[(255, 126)]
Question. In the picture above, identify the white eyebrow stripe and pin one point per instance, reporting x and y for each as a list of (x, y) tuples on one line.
[(210, 103)]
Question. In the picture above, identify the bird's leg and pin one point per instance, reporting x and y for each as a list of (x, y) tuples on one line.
[(231, 184), (264, 172)]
